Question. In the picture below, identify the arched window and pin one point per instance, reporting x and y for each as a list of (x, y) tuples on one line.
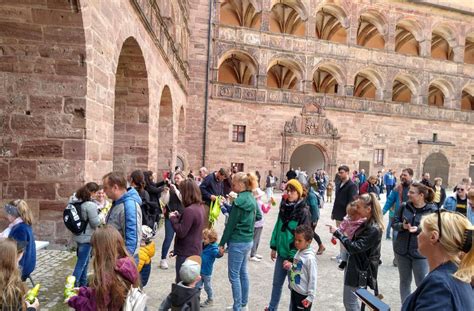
[(240, 13), (329, 24), (405, 40), (283, 74), (237, 67), (288, 17), (371, 30)]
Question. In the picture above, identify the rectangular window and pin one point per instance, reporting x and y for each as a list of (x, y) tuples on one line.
[(378, 156), (239, 166), (238, 133)]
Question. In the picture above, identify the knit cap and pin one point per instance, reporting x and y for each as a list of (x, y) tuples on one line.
[(296, 184), (190, 269)]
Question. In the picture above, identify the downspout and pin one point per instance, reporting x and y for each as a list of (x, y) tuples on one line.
[(206, 91)]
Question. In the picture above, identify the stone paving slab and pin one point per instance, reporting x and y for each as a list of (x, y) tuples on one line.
[(54, 266)]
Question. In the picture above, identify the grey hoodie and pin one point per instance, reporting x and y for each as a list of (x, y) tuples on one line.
[(304, 273), (89, 214)]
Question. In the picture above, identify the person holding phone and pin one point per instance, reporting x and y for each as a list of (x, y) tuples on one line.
[(406, 222)]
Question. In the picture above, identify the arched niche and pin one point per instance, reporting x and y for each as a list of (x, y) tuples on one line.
[(438, 166), (408, 35), (288, 16), (284, 74), (242, 13), (328, 78), (439, 93), (442, 42), (368, 84), (331, 24), (309, 158), (405, 89), (467, 98), (371, 30), (469, 49), (237, 67)]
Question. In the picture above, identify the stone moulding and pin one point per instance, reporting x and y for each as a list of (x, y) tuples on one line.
[(149, 14), (265, 96)]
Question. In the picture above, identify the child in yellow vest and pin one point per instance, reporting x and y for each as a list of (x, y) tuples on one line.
[(146, 252)]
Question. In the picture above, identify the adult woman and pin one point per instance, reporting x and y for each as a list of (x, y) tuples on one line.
[(188, 224), (363, 249), (439, 192), (149, 208), (406, 222), (293, 212), (173, 204), (103, 205), (446, 241), (370, 186), (238, 235), (115, 273), (89, 214), (19, 229)]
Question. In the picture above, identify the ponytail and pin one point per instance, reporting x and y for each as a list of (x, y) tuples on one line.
[(427, 192), (249, 180), (24, 211)]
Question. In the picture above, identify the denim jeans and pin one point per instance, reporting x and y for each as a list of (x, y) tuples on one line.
[(406, 266), (80, 271), (279, 276), (145, 274), (206, 282), (238, 274), (169, 234), (179, 262), (351, 303), (389, 228)]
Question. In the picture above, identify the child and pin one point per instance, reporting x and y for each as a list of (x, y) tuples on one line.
[(329, 190), (146, 252), (348, 226), (115, 273), (12, 289), (258, 194), (303, 271), (185, 294), (210, 251)]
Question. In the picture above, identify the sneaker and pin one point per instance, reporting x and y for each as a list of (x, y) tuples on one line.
[(163, 264), (342, 265), (207, 303), (245, 308), (255, 259), (259, 256)]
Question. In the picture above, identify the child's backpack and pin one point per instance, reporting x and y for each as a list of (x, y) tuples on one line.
[(73, 220)]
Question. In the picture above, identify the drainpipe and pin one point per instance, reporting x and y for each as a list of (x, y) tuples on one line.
[(206, 91)]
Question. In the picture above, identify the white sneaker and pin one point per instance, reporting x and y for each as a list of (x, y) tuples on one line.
[(255, 259), (163, 264), (246, 308), (259, 256)]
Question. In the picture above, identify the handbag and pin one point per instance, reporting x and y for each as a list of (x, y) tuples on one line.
[(136, 300)]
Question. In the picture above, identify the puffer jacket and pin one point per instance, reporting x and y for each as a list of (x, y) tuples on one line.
[(364, 255), (406, 243), (145, 254)]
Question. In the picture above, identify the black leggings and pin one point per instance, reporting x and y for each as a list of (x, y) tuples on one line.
[(296, 302), (316, 236)]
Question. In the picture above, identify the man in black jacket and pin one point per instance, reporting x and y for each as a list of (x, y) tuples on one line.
[(211, 187)]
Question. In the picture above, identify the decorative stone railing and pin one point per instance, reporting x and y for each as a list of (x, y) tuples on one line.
[(231, 92), (327, 49), (155, 25)]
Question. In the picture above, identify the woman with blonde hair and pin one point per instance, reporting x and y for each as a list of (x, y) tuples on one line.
[(19, 229), (363, 248), (238, 235), (446, 241), (12, 289)]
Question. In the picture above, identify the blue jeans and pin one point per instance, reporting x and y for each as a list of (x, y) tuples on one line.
[(80, 271), (169, 234), (279, 276), (206, 281), (145, 274), (238, 274)]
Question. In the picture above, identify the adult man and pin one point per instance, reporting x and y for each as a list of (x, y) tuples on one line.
[(389, 181), (125, 214), (425, 180), (291, 174), (270, 184), (458, 201), (211, 187)]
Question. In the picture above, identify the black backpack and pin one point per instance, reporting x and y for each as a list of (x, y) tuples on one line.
[(73, 220)]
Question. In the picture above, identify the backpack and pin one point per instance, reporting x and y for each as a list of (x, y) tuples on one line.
[(136, 300), (73, 220), (320, 199)]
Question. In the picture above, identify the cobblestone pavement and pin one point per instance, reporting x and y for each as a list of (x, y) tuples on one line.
[(54, 266)]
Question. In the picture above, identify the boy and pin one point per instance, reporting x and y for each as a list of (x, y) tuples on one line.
[(146, 252), (210, 251), (185, 294), (303, 271)]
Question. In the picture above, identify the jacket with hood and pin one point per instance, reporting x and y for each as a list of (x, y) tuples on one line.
[(86, 300), (240, 226), (406, 243), (291, 215), (209, 254), (145, 255), (126, 216), (304, 273), (89, 213), (182, 298)]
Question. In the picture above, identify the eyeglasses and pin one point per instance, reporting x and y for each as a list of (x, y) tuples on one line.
[(442, 210)]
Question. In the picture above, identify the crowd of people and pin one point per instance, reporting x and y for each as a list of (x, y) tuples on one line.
[(118, 221)]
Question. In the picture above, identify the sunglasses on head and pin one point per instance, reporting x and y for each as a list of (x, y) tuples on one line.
[(442, 210)]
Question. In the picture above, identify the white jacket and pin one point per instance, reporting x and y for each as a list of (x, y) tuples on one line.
[(304, 273)]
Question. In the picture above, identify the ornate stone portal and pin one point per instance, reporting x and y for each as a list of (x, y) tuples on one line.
[(313, 128)]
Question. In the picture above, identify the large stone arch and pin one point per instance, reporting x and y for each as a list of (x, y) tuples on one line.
[(437, 164), (131, 110), (310, 156), (166, 140)]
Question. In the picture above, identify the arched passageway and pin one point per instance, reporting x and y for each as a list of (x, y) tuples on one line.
[(131, 110), (309, 158), (438, 166)]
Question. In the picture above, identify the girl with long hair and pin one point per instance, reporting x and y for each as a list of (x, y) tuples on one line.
[(20, 229), (115, 273), (12, 289), (364, 250)]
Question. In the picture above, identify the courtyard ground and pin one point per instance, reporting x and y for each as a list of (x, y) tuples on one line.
[(53, 266)]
